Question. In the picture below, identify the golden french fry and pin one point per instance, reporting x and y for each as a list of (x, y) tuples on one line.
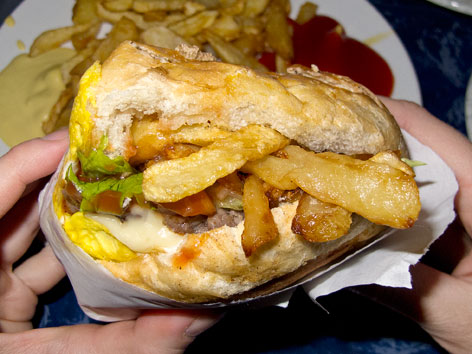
[(259, 224), (272, 170), (142, 6), (278, 31), (193, 25), (137, 18), (281, 64), (55, 38), (231, 7), (161, 36), (392, 159), (67, 67), (60, 112), (252, 25), (155, 16), (150, 140), (191, 8), (88, 59), (124, 29), (117, 5), (307, 11), (317, 221), (376, 191), (254, 8), (85, 11), (172, 180), (250, 44), (82, 39), (231, 54), (226, 27)]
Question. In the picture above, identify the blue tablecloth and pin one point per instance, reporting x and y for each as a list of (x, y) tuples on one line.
[(438, 41)]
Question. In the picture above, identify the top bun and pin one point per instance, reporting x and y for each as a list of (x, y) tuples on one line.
[(319, 110)]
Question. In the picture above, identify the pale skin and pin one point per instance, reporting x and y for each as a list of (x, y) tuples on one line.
[(156, 331), (439, 302)]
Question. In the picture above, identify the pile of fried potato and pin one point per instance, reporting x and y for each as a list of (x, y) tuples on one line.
[(235, 31), (329, 187)]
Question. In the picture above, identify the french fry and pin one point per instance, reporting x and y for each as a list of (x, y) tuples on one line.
[(278, 31), (193, 25), (124, 29), (161, 36), (273, 170), (226, 27), (169, 181), (253, 8), (250, 44), (67, 67), (231, 54), (150, 140), (85, 11), (232, 7), (307, 11), (142, 6), (55, 38), (281, 64), (317, 221), (80, 40), (376, 191), (58, 116), (117, 5), (392, 159), (137, 18), (259, 224)]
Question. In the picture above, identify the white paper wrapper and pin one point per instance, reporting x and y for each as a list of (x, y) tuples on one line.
[(385, 262)]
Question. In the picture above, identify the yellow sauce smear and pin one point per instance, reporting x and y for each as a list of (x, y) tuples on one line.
[(29, 87)]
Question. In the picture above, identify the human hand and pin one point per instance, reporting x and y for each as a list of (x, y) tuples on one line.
[(160, 331), (439, 302)]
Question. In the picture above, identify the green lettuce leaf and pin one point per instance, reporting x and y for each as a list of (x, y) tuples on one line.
[(128, 187), (98, 164), (413, 163)]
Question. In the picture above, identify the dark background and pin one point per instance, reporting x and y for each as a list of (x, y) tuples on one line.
[(438, 42)]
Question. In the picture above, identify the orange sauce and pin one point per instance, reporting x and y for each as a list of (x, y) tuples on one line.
[(190, 250)]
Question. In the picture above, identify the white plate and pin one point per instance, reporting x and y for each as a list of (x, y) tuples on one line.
[(359, 18), (462, 6)]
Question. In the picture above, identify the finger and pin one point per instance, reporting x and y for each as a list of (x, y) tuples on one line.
[(14, 327), (158, 332), (41, 271), (17, 301), (29, 162), (437, 301), (18, 229), (453, 147)]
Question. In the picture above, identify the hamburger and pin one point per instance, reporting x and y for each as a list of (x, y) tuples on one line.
[(204, 182)]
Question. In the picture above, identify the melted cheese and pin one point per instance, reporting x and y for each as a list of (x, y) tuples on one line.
[(142, 231)]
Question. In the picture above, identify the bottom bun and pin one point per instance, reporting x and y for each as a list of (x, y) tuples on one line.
[(212, 266)]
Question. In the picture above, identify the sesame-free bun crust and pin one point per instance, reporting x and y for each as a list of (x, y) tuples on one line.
[(320, 111)]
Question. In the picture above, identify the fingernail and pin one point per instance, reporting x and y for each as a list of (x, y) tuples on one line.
[(201, 324), (59, 134)]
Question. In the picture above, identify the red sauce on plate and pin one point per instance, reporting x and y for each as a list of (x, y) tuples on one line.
[(323, 42)]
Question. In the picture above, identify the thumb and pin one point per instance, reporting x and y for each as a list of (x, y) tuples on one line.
[(158, 331), (439, 302)]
